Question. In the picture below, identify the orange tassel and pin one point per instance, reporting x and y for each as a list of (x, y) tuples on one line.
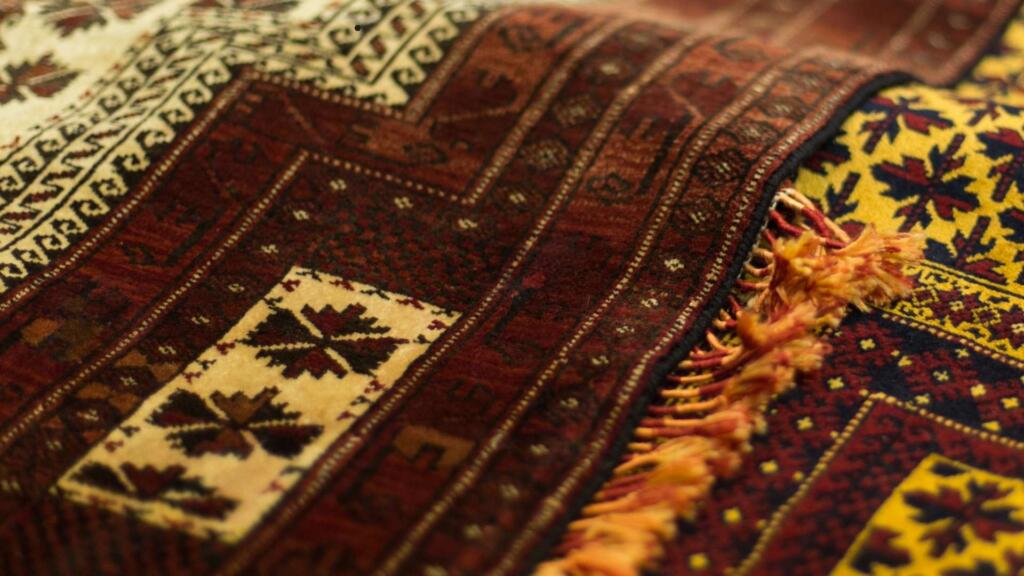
[(806, 276)]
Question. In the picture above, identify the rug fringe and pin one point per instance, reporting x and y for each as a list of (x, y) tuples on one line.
[(802, 276)]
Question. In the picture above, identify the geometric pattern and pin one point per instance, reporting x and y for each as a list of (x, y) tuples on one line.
[(969, 393), (59, 178), (926, 159), (222, 442), (943, 513), (141, 416), (187, 355), (50, 51), (935, 41), (947, 162), (987, 315), (997, 76), (356, 40), (943, 161), (944, 499)]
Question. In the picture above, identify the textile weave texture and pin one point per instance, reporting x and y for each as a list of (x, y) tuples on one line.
[(914, 423), (384, 287)]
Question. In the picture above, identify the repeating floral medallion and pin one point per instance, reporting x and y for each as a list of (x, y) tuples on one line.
[(941, 518), (223, 441), (950, 165), (246, 423), (925, 496), (901, 491)]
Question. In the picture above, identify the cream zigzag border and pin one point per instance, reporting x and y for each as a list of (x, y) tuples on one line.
[(57, 182)]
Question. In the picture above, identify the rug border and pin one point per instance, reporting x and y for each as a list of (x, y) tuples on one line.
[(955, 74), (547, 542)]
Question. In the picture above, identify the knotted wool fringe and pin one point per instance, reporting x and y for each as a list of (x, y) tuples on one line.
[(801, 278)]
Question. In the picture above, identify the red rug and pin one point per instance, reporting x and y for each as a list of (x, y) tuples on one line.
[(270, 307)]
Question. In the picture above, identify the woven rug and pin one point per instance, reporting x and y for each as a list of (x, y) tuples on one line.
[(388, 287), (914, 424)]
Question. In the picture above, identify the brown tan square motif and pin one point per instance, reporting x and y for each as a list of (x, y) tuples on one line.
[(223, 441)]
